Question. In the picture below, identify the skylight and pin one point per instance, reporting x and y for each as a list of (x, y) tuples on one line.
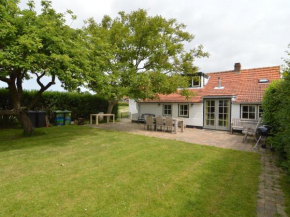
[(263, 80)]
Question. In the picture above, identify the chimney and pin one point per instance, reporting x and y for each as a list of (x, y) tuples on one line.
[(237, 68), (219, 82)]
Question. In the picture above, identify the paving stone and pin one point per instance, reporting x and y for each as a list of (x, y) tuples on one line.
[(271, 203), (270, 208)]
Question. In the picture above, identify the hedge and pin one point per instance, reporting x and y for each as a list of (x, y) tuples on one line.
[(276, 106), (81, 104)]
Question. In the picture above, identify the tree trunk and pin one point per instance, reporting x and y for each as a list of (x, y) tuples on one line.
[(26, 124), (111, 106), (17, 109)]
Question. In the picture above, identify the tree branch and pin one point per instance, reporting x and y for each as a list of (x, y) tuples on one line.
[(38, 79), (8, 112), (43, 88), (4, 79)]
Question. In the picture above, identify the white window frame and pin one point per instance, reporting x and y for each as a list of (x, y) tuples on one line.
[(167, 109), (260, 106), (255, 106), (180, 110)]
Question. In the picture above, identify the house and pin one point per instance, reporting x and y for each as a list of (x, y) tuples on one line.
[(219, 97)]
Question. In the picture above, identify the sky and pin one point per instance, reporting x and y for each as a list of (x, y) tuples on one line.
[(255, 33)]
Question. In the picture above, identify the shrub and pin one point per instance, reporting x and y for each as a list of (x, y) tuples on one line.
[(81, 105), (276, 106)]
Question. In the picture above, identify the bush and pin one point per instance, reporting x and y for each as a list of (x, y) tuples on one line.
[(276, 106), (81, 105)]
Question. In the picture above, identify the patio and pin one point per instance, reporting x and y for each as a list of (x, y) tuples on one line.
[(221, 139)]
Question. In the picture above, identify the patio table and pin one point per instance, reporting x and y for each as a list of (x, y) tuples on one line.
[(99, 115), (175, 122)]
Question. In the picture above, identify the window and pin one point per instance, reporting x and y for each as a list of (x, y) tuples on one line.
[(260, 110), (183, 110), (194, 81), (167, 110), (263, 80), (248, 112)]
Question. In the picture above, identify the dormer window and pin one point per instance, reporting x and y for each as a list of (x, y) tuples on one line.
[(194, 81), (263, 80)]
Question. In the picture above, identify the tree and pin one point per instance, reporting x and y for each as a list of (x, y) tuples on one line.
[(35, 46), (138, 56), (276, 104)]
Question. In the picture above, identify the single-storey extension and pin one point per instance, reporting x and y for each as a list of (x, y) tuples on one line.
[(219, 97)]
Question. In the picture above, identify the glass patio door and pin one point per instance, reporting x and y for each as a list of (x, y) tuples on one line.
[(217, 114)]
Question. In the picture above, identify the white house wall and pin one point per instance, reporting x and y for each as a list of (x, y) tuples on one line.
[(236, 110), (150, 108), (133, 109), (196, 115)]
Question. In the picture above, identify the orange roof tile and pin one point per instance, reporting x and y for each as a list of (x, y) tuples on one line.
[(244, 86)]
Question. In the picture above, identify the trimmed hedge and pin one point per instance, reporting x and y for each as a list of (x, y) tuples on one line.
[(276, 106), (81, 104)]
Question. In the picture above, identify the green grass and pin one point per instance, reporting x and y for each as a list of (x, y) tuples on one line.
[(123, 111), (80, 171), (285, 184)]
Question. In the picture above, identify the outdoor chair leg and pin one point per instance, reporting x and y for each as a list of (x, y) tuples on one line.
[(245, 138), (256, 145)]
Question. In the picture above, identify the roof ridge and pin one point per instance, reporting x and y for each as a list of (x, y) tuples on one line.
[(268, 67)]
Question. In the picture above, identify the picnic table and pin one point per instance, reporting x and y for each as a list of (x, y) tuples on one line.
[(101, 115)]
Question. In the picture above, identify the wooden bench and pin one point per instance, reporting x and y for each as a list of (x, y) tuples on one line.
[(240, 124)]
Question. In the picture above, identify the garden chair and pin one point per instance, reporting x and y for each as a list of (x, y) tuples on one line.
[(251, 131), (169, 123), (159, 123), (149, 122)]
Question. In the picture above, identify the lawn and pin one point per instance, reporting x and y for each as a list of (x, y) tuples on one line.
[(80, 171)]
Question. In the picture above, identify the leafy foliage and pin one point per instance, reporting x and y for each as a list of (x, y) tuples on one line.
[(37, 45), (81, 105), (276, 104), (138, 56)]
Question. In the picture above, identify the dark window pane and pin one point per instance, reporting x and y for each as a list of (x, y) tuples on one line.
[(225, 116), (245, 108), (252, 108), (196, 81), (221, 110), (190, 82), (245, 115), (251, 115), (226, 123), (226, 110)]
